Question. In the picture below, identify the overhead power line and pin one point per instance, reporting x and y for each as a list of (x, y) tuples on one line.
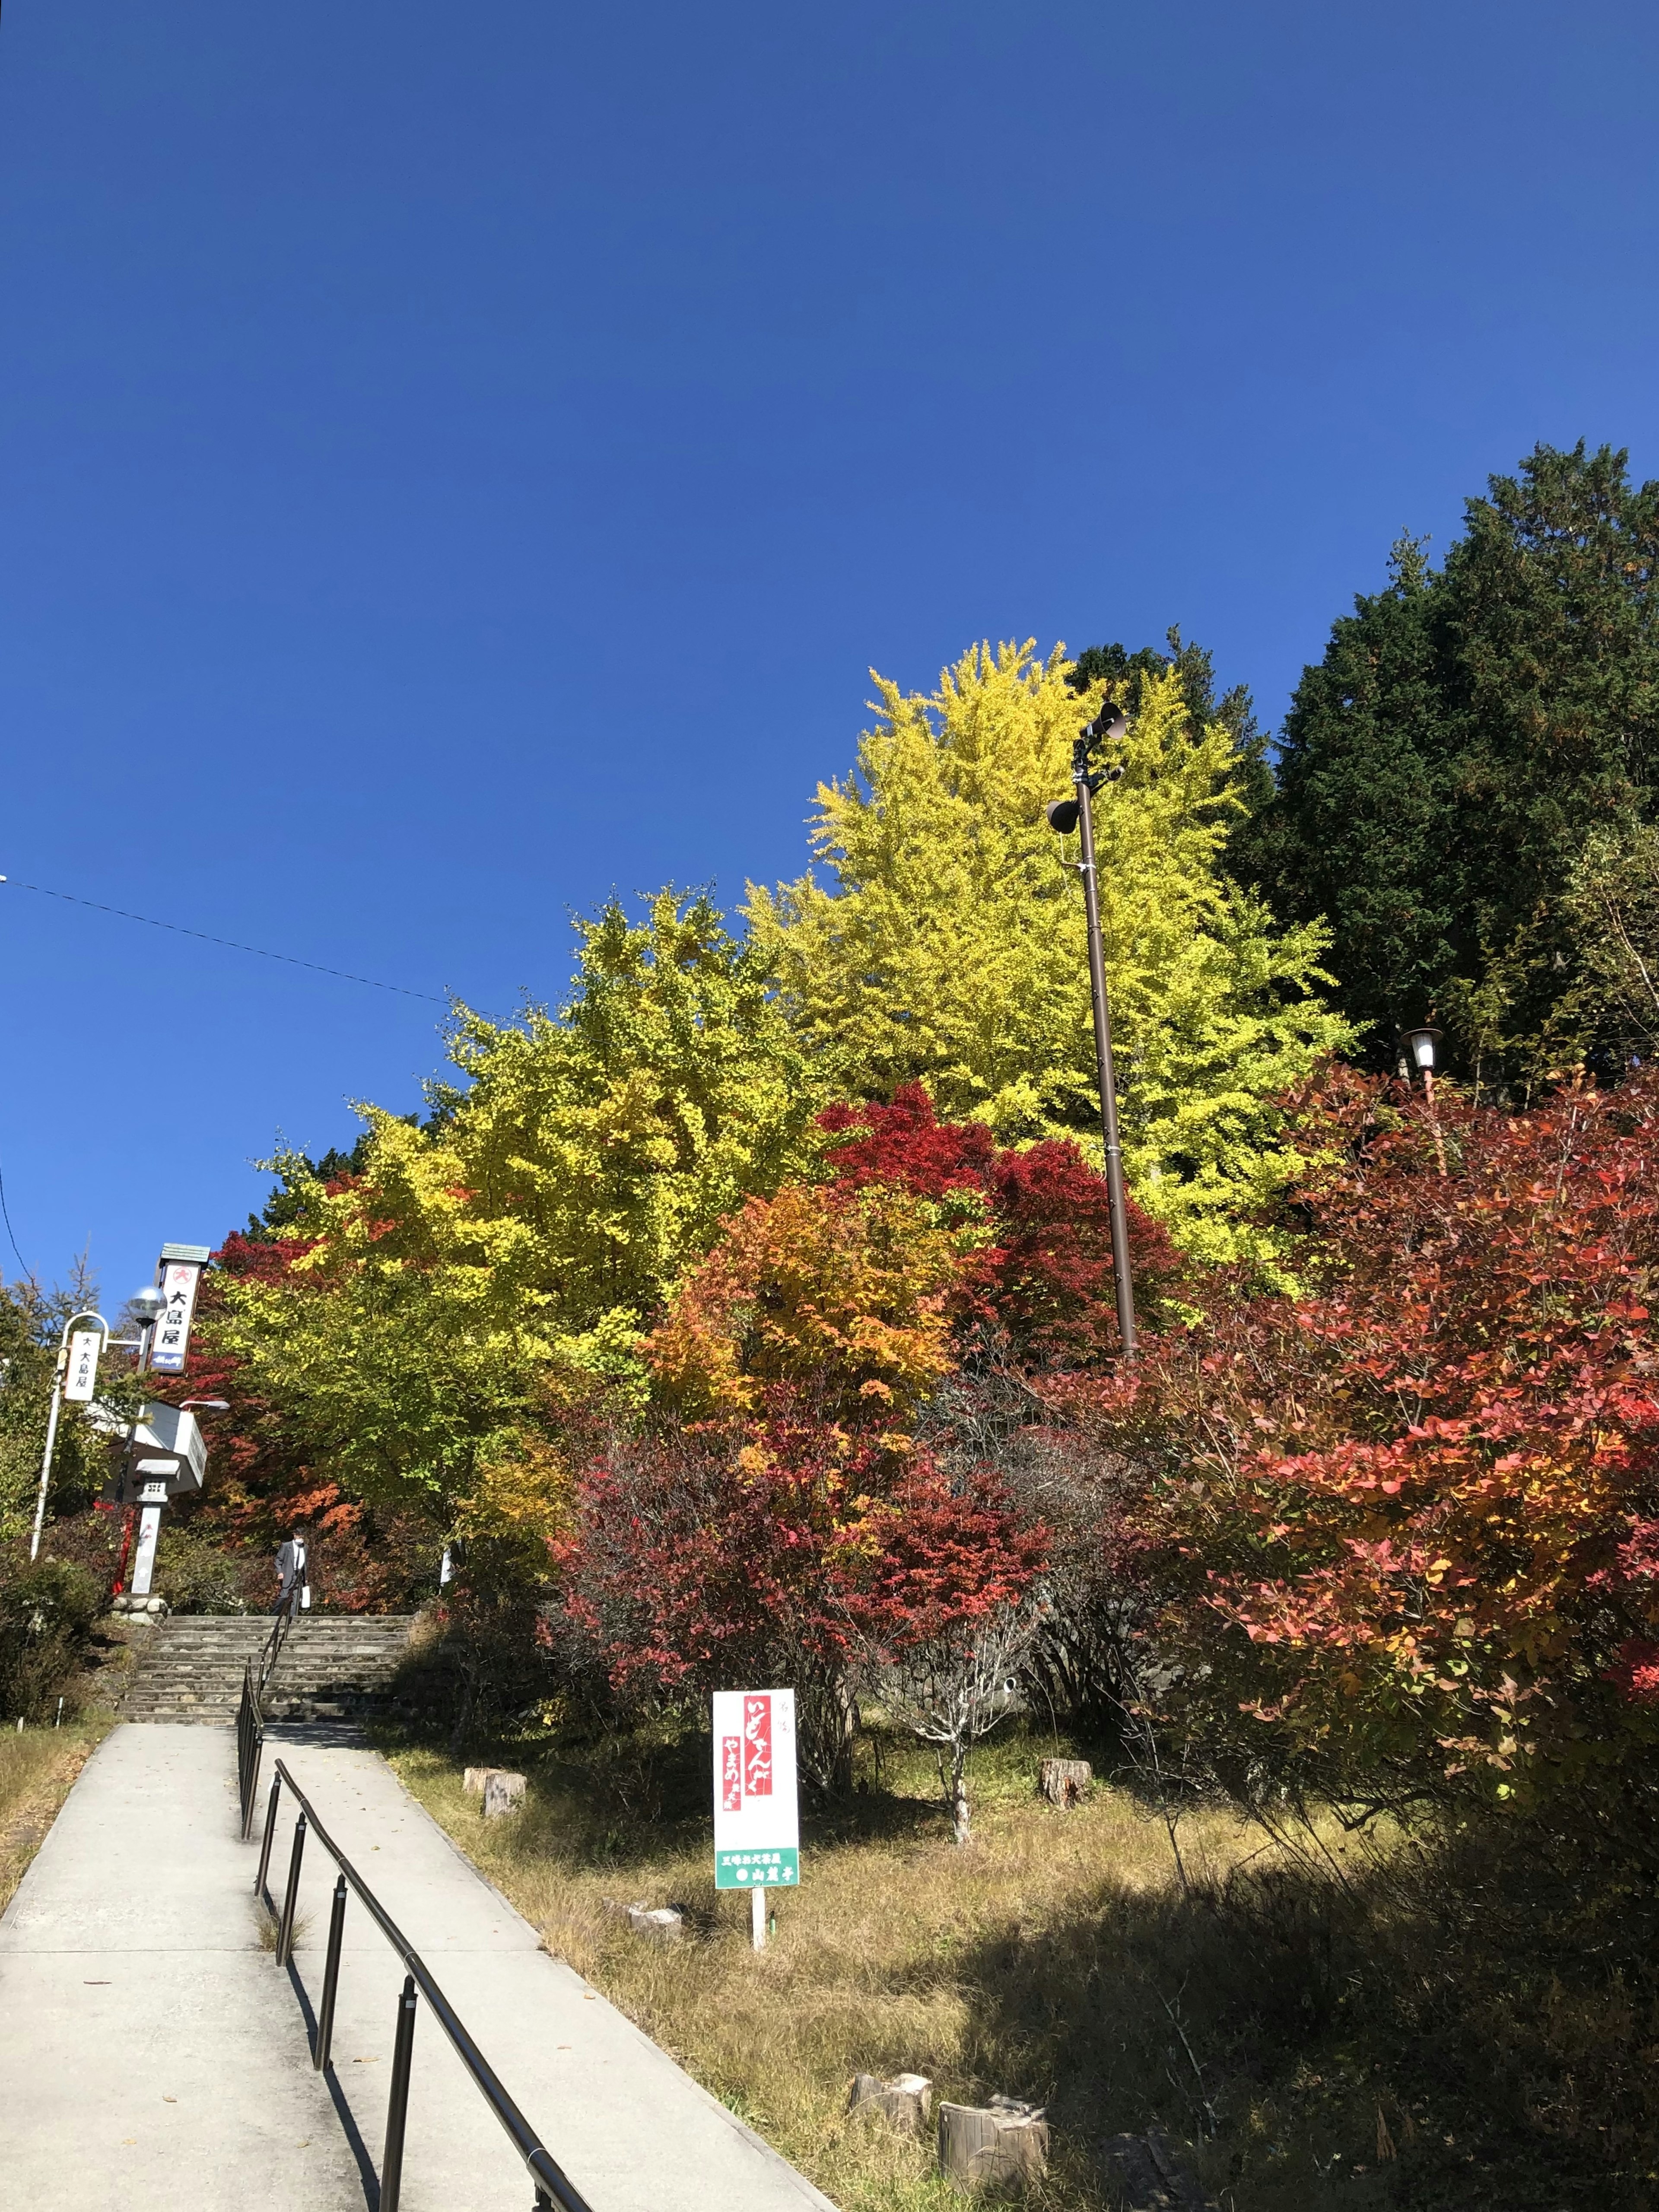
[(5, 1214), (230, 944)]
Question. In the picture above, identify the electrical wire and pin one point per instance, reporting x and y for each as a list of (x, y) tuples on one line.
[(11, 1236), (229, 942)]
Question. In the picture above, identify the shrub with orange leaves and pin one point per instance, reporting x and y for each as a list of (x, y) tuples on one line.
[(841, 1294)]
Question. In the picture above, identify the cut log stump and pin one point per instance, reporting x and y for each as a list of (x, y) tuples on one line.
[(473, 1781), (1063, 1782), (995, 2146), (503, 1792), (903, 2102)]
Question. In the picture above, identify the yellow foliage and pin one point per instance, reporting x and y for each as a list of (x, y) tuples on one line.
[(951, 948)]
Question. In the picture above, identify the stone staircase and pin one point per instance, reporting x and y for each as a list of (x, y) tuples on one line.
[(333, 1666)]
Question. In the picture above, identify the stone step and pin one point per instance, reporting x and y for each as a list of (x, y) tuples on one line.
[(191, 1667)]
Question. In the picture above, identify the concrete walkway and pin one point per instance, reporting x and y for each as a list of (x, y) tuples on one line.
[(151, 2056)]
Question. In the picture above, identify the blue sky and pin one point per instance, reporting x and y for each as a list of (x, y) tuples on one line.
[(455, 462)]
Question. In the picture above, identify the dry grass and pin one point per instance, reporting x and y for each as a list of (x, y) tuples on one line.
[(1057, 1957), (1461, 2021), (37, 1769)]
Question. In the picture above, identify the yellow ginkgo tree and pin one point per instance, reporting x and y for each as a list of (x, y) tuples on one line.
[(944, 941), (440, 1314)]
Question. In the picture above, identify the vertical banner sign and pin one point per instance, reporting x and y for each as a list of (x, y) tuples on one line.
[(143, 1566), (170, 1343), (756, 1824), (84, 1346)]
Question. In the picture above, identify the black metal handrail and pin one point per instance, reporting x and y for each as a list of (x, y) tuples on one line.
[(251, 1713), (551, 2184)]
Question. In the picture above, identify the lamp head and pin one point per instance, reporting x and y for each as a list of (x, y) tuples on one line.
[(148, 1303), (1420, 1044)]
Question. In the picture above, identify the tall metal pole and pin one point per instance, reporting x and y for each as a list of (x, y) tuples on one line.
[(46, 1456), (1124, 1287)]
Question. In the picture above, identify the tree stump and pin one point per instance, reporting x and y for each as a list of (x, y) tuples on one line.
[(993, 2145), (660, 1923), (473, 1781), (903, 2102), (1063, 1782), (502, 1793)]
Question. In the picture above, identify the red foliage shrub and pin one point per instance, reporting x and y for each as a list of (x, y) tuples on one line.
[(1047, 1275), (1424, 1498)]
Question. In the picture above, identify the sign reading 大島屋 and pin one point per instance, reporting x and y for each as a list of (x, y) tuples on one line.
[(757, 1825), (81, 1383), (180, 1272)]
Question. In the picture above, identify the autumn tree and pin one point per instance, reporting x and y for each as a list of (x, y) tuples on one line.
[(1417, 1512), (1033, 1224), (793, 1551), (450, 1305), (948, 945)]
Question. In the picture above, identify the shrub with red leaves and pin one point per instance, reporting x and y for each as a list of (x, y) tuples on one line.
[(1046, 1277), (1418, 1508), (783, 1554)]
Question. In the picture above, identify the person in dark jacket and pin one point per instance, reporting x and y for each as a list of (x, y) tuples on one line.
[(290, 1570)]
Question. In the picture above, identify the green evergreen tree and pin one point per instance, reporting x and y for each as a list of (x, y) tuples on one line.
[(1443, 766), (1126, 674)]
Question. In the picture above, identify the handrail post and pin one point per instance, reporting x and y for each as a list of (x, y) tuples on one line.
[(397, 2113), (285, 1930), (270, 1830), (331, 1977)]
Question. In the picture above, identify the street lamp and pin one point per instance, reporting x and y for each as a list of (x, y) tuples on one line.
[(146, 1304), (1066, 815), (1417, 1051)]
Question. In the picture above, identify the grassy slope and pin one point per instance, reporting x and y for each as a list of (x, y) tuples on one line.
[(37, 1769), (1057, 1957)]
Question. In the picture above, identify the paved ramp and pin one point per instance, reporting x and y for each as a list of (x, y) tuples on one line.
[(151, 2055)]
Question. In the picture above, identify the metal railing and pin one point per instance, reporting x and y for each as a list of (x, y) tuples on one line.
[(551, 2185), (251, 1713)]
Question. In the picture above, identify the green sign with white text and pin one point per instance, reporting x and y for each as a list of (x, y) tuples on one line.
[(778, 1870)]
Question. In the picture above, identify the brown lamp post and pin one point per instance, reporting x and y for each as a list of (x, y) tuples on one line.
[(1066, 815)]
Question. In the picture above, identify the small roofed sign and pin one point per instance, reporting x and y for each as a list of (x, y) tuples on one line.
[(180, 1273), (756, 1822)]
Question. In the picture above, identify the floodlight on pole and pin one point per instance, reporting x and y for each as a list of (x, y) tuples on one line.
[(1066, 815)]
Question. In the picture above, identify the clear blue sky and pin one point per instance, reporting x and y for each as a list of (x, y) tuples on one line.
[(455, 461)]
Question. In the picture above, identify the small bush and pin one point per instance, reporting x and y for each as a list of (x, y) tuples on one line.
[(196, 1577), (47, 1614)]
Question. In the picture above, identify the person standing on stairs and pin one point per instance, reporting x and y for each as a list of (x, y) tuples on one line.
[(291, 1573)]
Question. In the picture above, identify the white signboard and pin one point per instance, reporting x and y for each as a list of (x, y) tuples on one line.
[(143, 1565), (171, 1339), (84, 1346), (757, 1821)]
